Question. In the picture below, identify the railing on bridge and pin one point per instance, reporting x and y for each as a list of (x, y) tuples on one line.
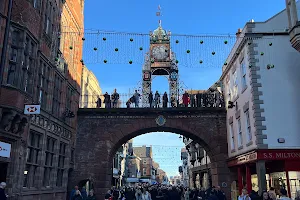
[(204, 99)]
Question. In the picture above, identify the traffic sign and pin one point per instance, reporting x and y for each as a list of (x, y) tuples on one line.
[(32, 109)]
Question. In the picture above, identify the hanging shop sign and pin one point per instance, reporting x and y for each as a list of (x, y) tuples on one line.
[(32, 109), (5, 149)]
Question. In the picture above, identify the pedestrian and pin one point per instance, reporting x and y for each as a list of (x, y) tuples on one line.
[(73, 192), (297, 195), (150, 99), (115, 99), (107, 100), (165, 100), (77, 196), (265, 196), (283, 194), (91, 196), (244, 195), (157, 99), (3, 196)]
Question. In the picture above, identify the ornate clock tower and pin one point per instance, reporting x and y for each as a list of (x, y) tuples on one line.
[(160, 61)]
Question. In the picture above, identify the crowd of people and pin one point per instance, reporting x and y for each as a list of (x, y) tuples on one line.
[(156, 100), (164, 192)]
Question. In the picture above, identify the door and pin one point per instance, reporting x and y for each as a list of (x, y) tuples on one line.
[(3, 171)]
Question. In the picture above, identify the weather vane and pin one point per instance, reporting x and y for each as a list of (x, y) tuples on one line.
[(158, 14)]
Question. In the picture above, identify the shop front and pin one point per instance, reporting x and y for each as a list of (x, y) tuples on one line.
[(261, 169)]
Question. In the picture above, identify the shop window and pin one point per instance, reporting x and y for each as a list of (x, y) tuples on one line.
[(240, 133), (232, 143), (61, 164), (144, 171), (248, 126), (50, 146)]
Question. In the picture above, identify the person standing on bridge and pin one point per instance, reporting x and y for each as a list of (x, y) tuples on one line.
[(165, 100), (185, 99), (157, 99), (107, 100), (136, 98), (115, 98), (150, 99)]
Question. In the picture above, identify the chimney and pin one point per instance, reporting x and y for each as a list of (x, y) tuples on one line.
[(251, 21), (239, 31)]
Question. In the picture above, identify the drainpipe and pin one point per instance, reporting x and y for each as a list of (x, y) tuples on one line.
[(5, 41)]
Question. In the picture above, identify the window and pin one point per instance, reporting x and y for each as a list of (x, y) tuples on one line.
[(43, 84), (239, 131), (243, 74), (232, 143), (50, 146), (144, 161), (144, 171), (27, 66), (61, 164), (36, 3), (234, 85), (57, 95), (48, 18), (248, 126), (13, 59), (32, 158)]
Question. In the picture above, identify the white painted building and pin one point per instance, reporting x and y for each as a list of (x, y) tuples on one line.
[(260, 85)]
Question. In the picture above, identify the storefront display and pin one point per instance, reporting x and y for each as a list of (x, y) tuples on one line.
[(261, 169)]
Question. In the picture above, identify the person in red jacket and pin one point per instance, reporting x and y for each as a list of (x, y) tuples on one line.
[(185, 99)]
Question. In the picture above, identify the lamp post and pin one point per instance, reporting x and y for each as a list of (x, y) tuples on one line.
[(5, 41), (293, 13)]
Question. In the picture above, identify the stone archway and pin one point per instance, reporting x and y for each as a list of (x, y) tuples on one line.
[(101, 132)]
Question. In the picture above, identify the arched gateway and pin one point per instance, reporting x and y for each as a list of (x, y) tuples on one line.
[(102, 131)]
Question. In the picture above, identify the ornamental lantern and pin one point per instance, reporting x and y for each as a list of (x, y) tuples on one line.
[(293, 13)]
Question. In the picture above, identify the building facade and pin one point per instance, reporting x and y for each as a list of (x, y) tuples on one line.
[(198, 165), (90, 90), (145, 154), (43, 68), (259, 84), (184, 169)]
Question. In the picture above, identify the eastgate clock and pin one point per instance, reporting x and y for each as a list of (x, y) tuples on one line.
[(160, 52)]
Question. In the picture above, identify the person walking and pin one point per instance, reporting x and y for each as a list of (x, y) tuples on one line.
[(165, 100), (150, 99), (91, 196), (157, 99), (3, 196)]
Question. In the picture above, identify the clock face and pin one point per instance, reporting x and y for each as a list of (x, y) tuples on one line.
[(160, 52)]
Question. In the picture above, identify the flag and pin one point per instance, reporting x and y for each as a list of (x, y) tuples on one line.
[(157, 14), (159, 8)]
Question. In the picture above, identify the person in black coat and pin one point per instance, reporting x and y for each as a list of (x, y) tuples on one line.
[(3, 196)]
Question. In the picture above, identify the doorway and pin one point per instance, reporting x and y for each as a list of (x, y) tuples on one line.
[(3, 171)]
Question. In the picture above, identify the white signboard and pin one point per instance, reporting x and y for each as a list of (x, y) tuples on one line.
[(32, 109), (5, 149)]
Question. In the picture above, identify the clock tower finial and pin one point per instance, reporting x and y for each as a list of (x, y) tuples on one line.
[(158, 14)]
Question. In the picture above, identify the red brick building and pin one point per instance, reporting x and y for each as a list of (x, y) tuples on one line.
[(42, 66)]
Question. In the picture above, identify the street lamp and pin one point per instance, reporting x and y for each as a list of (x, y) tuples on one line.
[(293, 13)]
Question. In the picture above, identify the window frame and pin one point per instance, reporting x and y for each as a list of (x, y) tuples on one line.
[(239, 132), (243, 75), (232, 138), (34, 149), (248, 126)]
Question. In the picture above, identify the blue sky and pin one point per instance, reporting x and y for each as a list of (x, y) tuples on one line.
[(195, 17)]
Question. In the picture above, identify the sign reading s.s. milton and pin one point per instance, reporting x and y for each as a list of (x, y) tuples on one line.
[(5, 149), (280, 155)]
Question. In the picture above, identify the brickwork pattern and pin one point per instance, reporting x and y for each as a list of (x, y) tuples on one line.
[(255, 83), (101, 133)]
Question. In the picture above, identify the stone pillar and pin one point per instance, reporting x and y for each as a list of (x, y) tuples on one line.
[(261, 175), (248, 179), (220, 173)]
